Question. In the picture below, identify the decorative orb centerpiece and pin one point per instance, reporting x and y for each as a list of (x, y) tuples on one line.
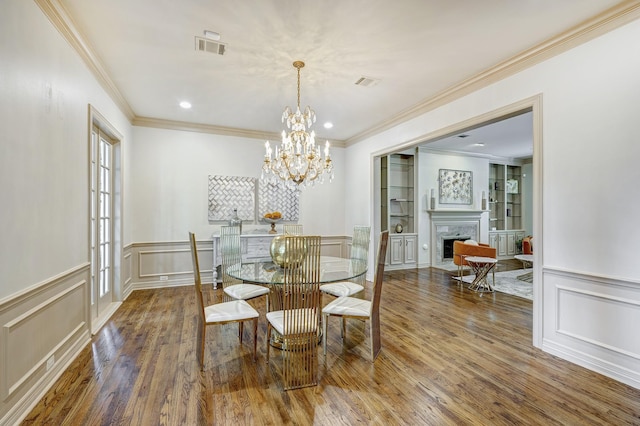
[(283, 255)]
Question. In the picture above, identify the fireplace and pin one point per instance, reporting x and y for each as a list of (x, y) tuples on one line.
[(447, 246), (448, 226)]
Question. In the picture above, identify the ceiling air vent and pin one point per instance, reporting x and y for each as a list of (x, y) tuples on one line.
[(205, 45), (367, 82)]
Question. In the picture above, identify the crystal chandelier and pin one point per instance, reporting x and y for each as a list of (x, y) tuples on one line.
[(298, 162)]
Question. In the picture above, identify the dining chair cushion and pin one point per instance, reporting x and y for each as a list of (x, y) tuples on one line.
[(229, 311), (342, 288), (348, 306), (245, 291), (276, 318)]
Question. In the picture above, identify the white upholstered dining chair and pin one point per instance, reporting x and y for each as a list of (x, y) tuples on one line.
[(231, 252), (364, 310), (296, 314), (219, 313), (359, 254)]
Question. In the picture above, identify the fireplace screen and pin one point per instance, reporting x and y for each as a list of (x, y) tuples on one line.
[(447, 246)]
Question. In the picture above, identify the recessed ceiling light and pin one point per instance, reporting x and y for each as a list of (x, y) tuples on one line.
[(185, 105), (328, 125), (478, 144)]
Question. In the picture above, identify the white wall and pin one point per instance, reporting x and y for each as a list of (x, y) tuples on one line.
[(45, 90), (170, 177), (588, 193)]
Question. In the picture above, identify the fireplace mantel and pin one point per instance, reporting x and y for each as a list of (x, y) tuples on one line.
[(456, 213), (452, 223)]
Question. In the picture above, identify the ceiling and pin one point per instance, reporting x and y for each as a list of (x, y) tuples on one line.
[(413, 49), (510, 138)]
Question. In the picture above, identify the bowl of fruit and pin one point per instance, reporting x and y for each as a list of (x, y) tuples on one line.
[(272, 218)]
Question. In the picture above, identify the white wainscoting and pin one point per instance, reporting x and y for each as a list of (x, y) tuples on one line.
[(592, 321), (127, 271), (168, 264), (44, 328)]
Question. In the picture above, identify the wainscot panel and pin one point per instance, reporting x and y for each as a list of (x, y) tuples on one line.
[(577, 331), (168, 264), (127, 269), (43, 329)]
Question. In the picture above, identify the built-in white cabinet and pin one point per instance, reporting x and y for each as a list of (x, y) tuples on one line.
[(506, 242), (398, 210), (402, 250), (505, 209), (505, 197), (397, 187)]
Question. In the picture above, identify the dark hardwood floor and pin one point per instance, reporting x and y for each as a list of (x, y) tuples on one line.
[(449, 357)]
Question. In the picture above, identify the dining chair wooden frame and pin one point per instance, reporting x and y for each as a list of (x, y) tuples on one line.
[(363, 310), (219, 313), (296, 312)]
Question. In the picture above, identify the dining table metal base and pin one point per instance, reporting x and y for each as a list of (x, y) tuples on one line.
[(277, 341)]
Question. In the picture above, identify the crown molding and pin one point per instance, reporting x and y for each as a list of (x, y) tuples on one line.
[(202, 128), (59, 17), (598, 25), (212, 129)]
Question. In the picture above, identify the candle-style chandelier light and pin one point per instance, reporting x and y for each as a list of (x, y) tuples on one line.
[(298, 162)]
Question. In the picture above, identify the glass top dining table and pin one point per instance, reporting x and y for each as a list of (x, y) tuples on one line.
[(332, 269)]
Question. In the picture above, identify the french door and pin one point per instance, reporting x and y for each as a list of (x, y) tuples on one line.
[(102, 233)]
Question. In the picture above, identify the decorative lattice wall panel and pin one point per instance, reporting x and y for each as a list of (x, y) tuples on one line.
[(232, 192), (273, 197)]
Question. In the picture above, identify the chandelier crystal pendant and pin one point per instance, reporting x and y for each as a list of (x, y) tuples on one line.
[(298, 162)]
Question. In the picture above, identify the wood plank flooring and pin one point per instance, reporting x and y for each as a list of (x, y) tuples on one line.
[(449, 357)]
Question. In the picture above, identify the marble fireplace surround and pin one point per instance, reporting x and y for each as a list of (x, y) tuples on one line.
[(451, 224)]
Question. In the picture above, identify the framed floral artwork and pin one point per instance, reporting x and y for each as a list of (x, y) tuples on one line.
[(455, 186)]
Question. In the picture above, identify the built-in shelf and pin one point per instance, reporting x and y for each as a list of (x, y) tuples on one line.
[(397, 179), (505, 205)]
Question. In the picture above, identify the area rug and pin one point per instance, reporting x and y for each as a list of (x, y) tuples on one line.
[(508, 282)]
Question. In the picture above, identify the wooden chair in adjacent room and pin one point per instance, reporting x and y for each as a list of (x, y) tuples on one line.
[(359, 259), (231, 253), (219, 313), (292, 229), (364, 310), (297, 318)]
